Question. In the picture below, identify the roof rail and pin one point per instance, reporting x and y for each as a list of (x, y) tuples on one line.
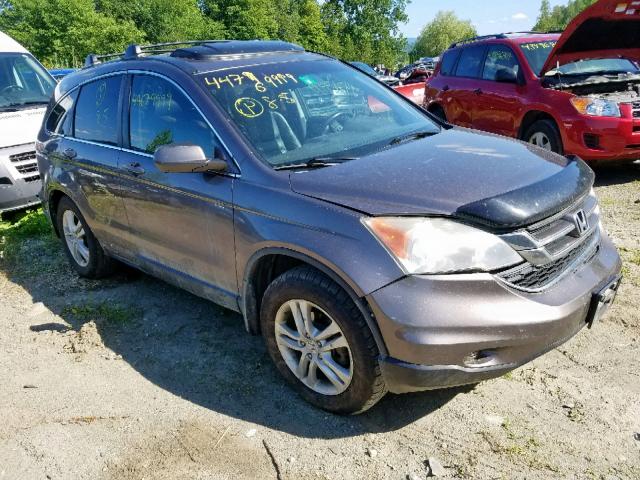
[(498, 36), (134, 51), (478, 39)]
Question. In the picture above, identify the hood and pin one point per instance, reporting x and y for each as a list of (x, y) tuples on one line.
[(607, 29), (20, 127), (483, 178)]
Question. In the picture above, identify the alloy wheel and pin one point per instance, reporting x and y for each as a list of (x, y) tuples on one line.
[(541, 140), (314, 347), (76, 238)]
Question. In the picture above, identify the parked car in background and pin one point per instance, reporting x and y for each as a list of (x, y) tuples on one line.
[(354, 242), (60, 73), (429, 63), (575, 93), (369, 70), (25, 89)]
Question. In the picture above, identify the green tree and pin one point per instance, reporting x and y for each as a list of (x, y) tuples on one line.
[(62, 32), (311, 33), (560, 16), (245, 19), (445, 29), (366, 30), (164, 20)]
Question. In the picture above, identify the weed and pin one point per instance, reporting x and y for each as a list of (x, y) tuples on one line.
[(105, 312), (26, 226)]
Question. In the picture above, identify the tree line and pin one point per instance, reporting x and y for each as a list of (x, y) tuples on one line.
[(62, 32), (446, 28)]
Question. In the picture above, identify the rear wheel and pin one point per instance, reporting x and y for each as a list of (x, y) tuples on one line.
[(544, 134), (81, 246), (320, 342)]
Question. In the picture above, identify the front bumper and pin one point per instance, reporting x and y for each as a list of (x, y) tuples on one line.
[(19, 178), (617, 139), (449, 330)]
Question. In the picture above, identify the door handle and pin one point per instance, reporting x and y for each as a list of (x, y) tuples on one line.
[(70, 153), (445, 88), (134, 169), (478, 91)]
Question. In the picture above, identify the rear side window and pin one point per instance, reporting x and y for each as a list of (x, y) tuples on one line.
[(449, 62), (499, 58), (60, 118), (96, 117), (470, 61), (160, 114)]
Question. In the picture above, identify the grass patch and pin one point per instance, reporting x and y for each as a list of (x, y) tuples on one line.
[(104, 312), (15, 233)]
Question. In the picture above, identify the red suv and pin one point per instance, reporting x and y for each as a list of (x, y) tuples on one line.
[(576, 93)]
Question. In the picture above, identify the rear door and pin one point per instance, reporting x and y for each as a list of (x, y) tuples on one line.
[(464, 92), (498, 103), (87, 147), (181, 223)]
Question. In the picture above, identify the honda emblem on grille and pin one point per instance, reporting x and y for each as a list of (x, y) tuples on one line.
[(581, 221)]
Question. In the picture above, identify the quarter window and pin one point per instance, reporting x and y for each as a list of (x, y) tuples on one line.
[(97, 111), (499, 58), (59, 120), (160, 114), (470, 61), (449, 62)]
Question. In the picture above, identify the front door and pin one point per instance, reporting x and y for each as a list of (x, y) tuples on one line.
[(181, 223)]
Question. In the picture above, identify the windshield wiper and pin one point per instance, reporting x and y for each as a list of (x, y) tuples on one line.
[(316, 162), (411, 136)]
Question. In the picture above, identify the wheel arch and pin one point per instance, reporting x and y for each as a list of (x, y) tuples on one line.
[(531, 117), (267, 264), (53, 200)]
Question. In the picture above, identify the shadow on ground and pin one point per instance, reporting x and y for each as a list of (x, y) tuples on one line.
[(617, 174), (197, 350)]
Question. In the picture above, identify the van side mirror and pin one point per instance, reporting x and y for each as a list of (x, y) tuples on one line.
[(507, 75), (186, 158)]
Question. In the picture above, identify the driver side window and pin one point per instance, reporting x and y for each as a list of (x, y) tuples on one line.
[(160, 114)]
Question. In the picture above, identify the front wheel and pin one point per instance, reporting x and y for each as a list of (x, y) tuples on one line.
[(81, 246), (544, 134), (320, 342)]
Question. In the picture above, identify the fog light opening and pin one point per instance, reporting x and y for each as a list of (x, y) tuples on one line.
[(478, 358)]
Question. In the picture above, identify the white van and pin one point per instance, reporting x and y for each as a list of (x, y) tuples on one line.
[(25, 88)]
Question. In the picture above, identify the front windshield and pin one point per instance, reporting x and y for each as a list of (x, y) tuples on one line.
[(23, 82), (537, 54), (293, 113)]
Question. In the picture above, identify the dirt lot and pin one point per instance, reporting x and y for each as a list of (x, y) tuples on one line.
[(130, 378)]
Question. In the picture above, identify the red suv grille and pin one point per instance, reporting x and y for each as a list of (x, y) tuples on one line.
[(636, 110)]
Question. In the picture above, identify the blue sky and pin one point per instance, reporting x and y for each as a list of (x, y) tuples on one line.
[(488, 16)]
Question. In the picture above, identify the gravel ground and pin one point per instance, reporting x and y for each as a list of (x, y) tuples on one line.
[(130, 378)]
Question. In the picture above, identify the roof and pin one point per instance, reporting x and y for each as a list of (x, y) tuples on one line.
[(8, 44), (515, 37)]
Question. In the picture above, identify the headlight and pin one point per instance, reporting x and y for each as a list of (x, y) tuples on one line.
[(438, 245), (596, 107)]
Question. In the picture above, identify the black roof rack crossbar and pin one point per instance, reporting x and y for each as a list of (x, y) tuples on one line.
[(136, 51)]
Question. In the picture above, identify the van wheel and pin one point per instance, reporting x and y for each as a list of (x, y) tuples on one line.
[(320, 342), (544, 134), (81, 246), (439, 112)]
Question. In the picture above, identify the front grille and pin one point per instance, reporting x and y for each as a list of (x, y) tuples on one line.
[(533, 278), (636, 109), (553, 246), (26, 165)]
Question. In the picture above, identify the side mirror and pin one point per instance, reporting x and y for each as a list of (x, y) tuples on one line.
[(506, 75), (186, 158)]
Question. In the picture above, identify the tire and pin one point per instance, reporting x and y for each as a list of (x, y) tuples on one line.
[(545, 134), (97, 264), (328, 302), (439, 112)]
